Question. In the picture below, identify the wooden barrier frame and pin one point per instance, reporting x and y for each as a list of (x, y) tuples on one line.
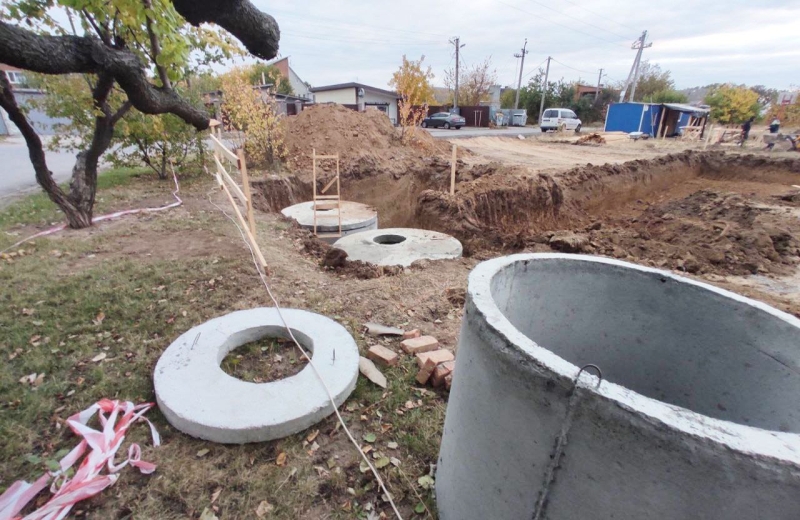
[(229, 185), (336, 200)]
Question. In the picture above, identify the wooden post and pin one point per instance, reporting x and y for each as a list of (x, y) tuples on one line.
[(314, 184), (708, 137), (338, 194), (453, 172), (661, 120), (246, 189)]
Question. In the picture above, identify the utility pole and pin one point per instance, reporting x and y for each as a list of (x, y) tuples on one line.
[(599, 79), (633, 76), (544, 89), (521, 66), (457, 42)]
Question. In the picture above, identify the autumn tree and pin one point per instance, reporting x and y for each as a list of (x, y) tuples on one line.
[(131, 52), (263, 74), (413, 82), (732, 104), (474, 84), (255, 115), (656, 85)]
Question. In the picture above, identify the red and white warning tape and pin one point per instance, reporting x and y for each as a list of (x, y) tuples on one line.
[(117, 214), (88, 480)]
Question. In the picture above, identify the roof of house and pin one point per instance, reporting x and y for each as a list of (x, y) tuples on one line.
[(9, 68), (341, 86)]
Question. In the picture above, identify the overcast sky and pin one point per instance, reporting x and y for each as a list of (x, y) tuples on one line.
[(701, 41)]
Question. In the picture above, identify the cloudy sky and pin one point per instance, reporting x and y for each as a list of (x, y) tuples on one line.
[(701, 42)]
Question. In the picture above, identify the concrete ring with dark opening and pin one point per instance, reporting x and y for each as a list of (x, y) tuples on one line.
[(697, 414), (199, 399), (399, 246)]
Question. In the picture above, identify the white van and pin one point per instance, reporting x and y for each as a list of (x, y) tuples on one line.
[(560, 118)]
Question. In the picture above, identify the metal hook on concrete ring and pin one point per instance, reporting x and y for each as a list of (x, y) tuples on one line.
[(587, 366)]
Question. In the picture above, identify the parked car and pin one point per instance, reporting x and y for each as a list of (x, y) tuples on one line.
[(445, 120), (560, 119)]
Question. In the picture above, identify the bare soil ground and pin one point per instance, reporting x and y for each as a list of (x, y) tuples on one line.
[(730, 219)]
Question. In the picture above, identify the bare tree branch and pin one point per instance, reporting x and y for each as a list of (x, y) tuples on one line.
[(78, 54)]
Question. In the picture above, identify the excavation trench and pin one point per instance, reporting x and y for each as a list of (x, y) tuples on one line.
[(694, 211)]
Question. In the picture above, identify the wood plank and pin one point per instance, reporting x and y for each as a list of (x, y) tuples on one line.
[(250, 237), (327, 197), (226, 176), (453, 172), (325, 206), (224, 151), (246, 190), (320, 157), (327, 186)]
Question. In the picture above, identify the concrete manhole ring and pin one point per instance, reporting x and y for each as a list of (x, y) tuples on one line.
[(399, 246), (199, 399), (356, 217)]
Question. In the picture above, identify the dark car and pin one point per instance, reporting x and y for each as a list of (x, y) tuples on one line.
[(444, 120)]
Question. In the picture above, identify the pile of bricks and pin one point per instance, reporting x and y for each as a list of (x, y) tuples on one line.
[(435, 364)]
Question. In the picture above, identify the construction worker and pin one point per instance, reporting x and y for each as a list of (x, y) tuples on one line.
[(746, 130)]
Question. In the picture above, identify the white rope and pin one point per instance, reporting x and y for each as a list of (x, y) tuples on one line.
[(263, 277)]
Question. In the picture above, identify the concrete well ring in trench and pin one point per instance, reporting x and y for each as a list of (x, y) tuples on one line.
[(399, 246), (199, 399), (697, 414), (356, 217)]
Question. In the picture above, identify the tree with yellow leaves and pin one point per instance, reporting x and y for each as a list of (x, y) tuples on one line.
[(733, 105), (255, 114), (412, 82)]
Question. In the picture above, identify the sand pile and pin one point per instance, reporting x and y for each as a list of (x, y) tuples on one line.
[(367, 142)]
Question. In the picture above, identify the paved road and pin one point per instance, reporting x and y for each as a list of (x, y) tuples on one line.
[(16, 171), (513, 131)]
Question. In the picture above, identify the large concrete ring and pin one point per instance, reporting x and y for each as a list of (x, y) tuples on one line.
[(199, 399), (356, 217), (399, 246), (697, 414)]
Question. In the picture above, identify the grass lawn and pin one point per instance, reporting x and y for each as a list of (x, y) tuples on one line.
[(129, 287)]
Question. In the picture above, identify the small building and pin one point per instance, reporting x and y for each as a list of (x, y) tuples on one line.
[(359, 97), (655, 119), (301, 88), (587, 91)]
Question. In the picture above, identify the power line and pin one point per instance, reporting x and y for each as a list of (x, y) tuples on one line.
[(600, 15), (573, 68), (579, 20), (535, 69), (539, 16), (324, 37)]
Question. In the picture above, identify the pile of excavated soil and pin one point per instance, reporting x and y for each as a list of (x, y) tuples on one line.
[(367, 143)]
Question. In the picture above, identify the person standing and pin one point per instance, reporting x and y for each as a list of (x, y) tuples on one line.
[(746, 130)]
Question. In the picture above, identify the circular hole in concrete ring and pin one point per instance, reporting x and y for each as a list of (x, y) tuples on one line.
[(268, 358), (389, 239)]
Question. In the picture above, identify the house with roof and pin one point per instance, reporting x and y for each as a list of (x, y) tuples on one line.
[(300, 87), (358, 96)]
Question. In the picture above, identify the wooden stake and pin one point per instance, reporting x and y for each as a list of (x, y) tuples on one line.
[(708, 137), (250, 237), (661, 120), (314, 184), (339, 194), (453, 172), (246, 188)]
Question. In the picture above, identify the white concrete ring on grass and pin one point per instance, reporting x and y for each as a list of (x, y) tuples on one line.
[(399, 246), (199, 399)]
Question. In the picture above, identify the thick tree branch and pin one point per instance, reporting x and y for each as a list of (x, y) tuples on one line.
[(77, 54), (258, 31), (156, 48)]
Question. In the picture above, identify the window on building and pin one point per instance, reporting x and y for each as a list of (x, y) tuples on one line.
[(16, 78)]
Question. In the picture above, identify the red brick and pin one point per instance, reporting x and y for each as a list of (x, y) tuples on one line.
[(440, 356), (411, 334), (421, 344), (382, 355), (425, 372), (441, 372)]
